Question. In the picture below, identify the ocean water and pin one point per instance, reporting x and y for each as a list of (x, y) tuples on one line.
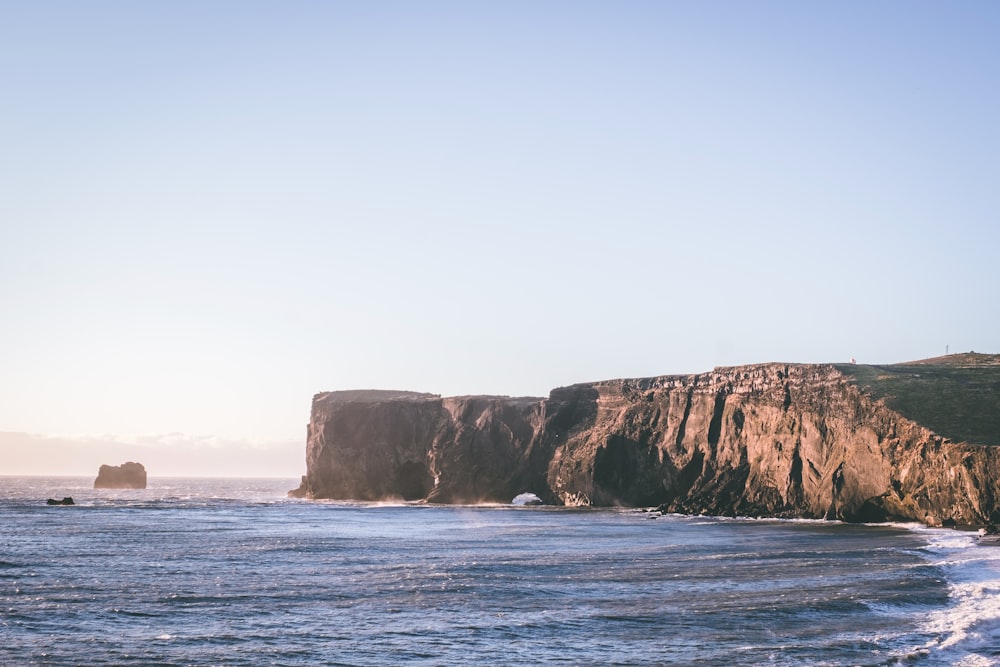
[(231, 572)]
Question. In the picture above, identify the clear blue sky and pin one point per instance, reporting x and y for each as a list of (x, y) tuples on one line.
[(210, 211)]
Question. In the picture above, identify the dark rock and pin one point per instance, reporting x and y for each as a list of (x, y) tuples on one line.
[(301, 491), (126, 476), (780, 440), (65, 501)]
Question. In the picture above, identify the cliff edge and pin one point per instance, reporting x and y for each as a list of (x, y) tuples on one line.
[(905, 442)]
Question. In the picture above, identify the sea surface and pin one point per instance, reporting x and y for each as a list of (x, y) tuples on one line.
[(231, 572)]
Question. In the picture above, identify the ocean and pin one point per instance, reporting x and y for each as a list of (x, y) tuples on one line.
[(232, 572)]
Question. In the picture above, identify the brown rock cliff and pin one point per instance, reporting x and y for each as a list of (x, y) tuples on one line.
[(788, 440)]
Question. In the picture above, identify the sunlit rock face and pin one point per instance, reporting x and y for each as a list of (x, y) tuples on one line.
[(381, 445), (126, 476), (785, 440)]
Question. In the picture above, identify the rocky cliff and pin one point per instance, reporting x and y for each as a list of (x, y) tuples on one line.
[(790, 440)]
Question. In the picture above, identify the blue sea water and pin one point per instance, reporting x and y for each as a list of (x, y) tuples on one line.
[(231, 572)]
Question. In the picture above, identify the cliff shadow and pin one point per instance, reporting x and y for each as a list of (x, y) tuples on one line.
[(413, 481), (628, 472)]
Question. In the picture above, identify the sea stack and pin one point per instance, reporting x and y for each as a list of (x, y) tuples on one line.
[(918, 441), (128, 475)]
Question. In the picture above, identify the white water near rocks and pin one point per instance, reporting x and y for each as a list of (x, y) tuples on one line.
[(231, 572)]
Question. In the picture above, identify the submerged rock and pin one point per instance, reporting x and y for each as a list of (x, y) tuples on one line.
[(128, 475), (785, 440), (65, 501)]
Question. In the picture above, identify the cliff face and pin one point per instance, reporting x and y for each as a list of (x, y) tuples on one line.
[(374, 445), (762, 440)]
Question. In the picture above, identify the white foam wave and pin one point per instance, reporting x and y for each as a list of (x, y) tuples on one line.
[(975, 604), (942, 539), (967, 631), (526, 499)]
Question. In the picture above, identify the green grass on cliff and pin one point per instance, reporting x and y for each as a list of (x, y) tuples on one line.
[(956, 396)]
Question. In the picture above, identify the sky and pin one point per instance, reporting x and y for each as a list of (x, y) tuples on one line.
[(209, 212)]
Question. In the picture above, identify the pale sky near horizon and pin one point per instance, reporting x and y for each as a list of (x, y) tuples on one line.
[(211, 211)]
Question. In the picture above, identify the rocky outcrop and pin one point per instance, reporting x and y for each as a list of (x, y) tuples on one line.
[(126, 476), (374, 445), (788, 440)]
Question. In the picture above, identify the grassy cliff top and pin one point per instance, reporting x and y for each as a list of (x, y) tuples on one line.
[(956, 396)]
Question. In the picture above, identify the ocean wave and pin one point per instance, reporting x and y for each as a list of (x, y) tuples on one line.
[(967, 631)]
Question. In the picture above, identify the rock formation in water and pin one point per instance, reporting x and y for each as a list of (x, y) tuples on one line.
[(126, 476), (788, 440)]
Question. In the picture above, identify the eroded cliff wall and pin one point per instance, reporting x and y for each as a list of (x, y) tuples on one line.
[(787, 440)]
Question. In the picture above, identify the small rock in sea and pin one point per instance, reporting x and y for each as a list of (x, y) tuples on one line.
[(65, 501), (126, 476)]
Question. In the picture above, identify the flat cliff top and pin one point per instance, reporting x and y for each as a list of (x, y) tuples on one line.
[(388, 395), (372, 396), (956, 396)]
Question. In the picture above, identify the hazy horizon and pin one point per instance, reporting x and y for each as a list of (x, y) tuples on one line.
[(212, 212), (170, 455)]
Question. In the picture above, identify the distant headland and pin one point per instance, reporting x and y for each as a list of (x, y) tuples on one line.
[(915, 441)]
